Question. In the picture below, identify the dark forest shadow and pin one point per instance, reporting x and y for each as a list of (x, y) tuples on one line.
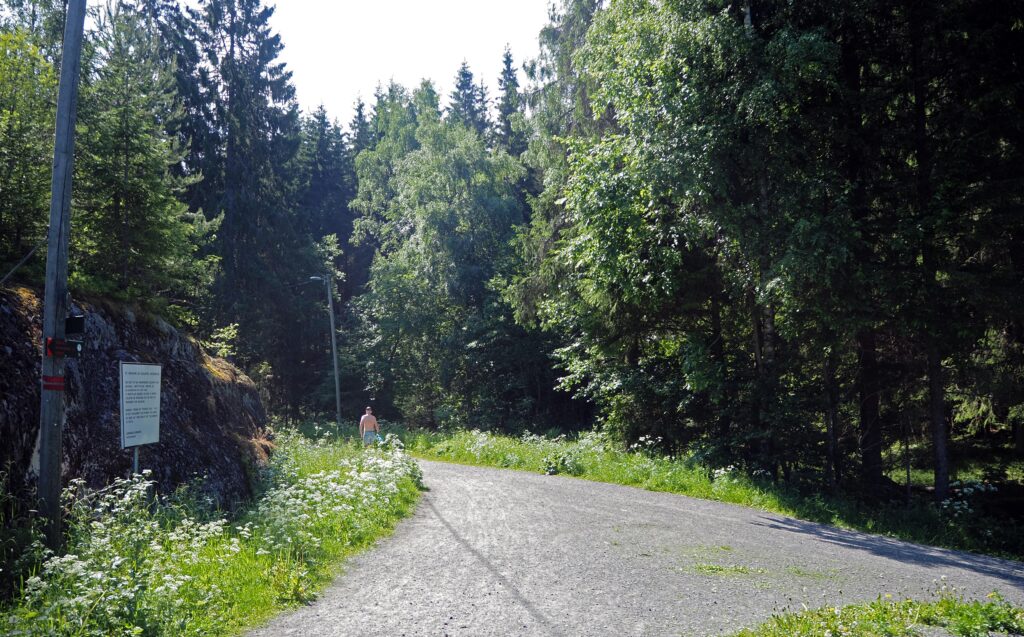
[(902, 551)]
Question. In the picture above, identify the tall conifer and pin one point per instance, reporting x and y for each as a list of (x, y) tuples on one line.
[(133, 238), (468, 102), (510, 104)]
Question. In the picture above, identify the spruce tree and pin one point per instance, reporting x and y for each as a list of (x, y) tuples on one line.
[(327, 180), (133, 239), (263, 247), (360, 131), (181, 35), (468, 102), (510, 135)]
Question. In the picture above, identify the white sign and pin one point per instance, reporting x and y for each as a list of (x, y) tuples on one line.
[(140, 404)]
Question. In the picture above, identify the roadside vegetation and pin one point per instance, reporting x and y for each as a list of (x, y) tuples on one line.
[(955, 523), (139, 564), (892, 618)]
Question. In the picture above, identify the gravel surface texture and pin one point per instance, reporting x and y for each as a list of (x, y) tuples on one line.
[(497, 552)]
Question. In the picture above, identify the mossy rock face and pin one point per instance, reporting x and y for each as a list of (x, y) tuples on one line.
[(212, 422)]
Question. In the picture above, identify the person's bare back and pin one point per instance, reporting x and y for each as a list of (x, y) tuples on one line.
[(368, 427)]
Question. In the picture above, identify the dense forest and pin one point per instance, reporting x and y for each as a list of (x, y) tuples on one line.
[(786, 236)]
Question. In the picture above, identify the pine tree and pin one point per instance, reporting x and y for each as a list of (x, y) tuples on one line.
[(133, 238), (509, 133), (254, 174), (43, 21), (328, 186), (180, 36), (326, 175), (257, 120), (394, 127), (468, 102), (360, 131)]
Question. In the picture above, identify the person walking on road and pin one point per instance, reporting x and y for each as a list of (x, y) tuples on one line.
[(369, 430)]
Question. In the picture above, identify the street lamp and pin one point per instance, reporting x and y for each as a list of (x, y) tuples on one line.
[(328, 284)]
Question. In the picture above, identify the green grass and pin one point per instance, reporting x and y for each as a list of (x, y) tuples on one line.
[(592, 457), (968, 470), (135, 566), (889, 618), (727, 569)]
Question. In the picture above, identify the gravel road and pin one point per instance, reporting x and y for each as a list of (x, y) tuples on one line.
[(496, 552)]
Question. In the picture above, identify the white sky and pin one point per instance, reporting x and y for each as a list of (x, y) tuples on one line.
[(339, 50)]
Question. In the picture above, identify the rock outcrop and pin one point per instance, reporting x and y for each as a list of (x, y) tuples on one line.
[(212, 423)]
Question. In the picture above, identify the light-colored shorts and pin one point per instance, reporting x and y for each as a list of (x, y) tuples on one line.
[(369, 437)]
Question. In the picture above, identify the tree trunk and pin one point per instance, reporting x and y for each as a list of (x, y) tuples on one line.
[(870, 425), (923, 194), (905, 418), (756, 333), (832, 470), (759, 447), (769, 338), (718, 356), (940, 428)]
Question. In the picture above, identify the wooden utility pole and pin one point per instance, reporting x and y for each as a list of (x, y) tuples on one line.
[(51, 410)]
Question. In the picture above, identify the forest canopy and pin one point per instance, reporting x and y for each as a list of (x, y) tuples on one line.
[(787, 236)]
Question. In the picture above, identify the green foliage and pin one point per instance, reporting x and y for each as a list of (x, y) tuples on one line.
[(20, 532), (133, 240), (468, 103), (717, 246), (441, 208), (965, 618), (27, 94), (222, 341), (136, 565), (510, 131)]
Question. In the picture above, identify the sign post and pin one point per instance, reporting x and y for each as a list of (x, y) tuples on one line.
[(140, 406)]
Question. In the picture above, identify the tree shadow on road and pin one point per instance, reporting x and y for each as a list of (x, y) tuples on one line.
[(902, 551), (509, 586)]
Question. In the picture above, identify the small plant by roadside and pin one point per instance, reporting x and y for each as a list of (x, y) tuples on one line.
[(20, 528), (959, 504), (727, 569), (136, 565)]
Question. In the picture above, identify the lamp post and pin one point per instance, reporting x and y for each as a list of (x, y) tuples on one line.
[(328, 284)]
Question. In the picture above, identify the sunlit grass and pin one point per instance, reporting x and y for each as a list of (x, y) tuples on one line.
[(968, 471), (890, 618), (135, 566)]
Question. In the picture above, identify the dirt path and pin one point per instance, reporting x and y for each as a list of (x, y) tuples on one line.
[(493, 552)]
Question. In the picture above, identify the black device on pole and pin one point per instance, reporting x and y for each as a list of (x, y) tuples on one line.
[(74, 324)]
